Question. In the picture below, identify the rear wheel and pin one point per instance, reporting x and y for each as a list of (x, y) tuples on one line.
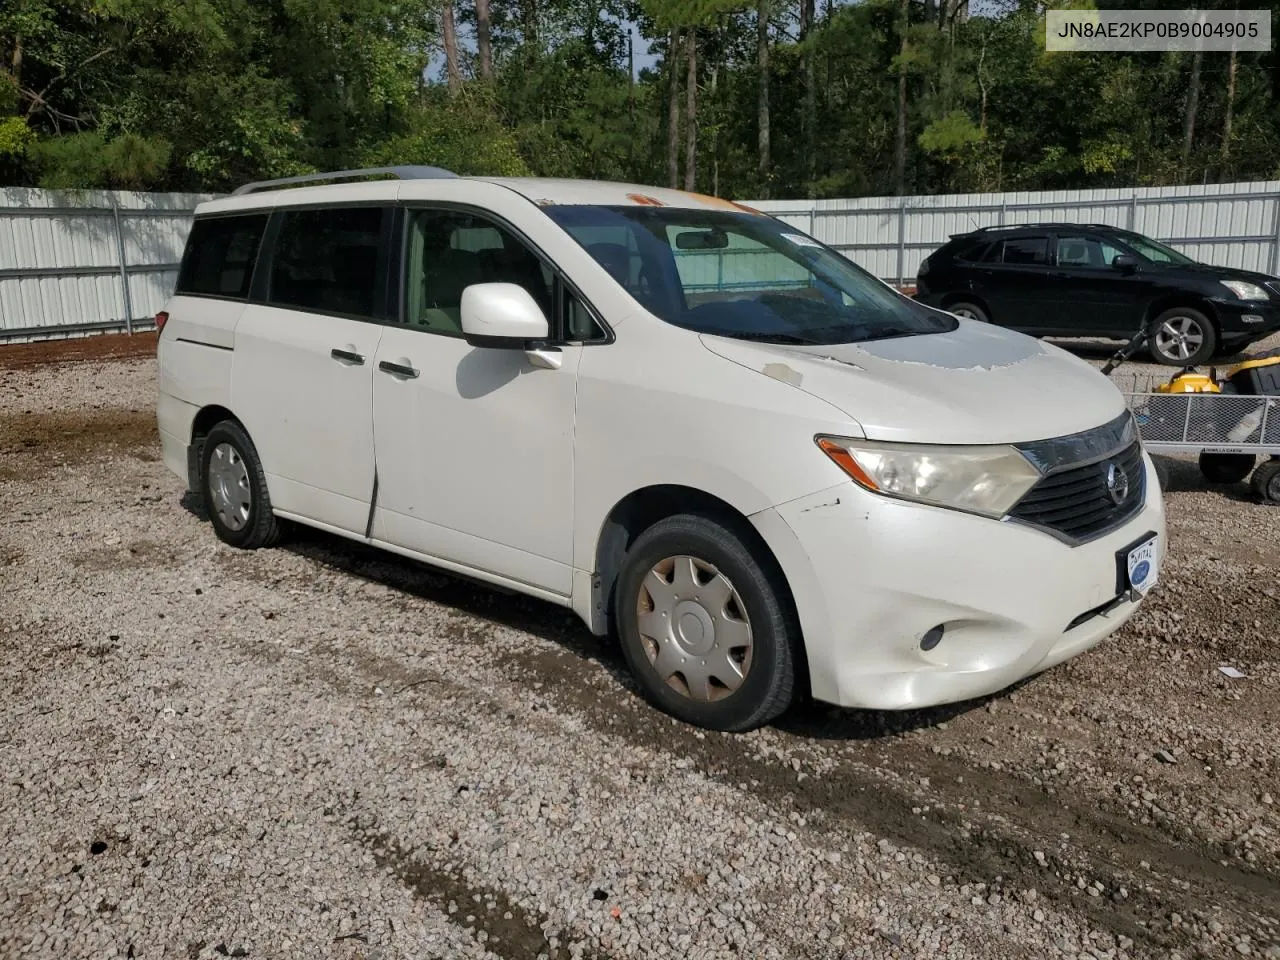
[(234, 488), (969, 311), (1182, 337), (706, 628), (1266, 482), (1226, 467)]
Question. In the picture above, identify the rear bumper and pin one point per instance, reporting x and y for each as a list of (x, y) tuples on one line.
[(174, 419), (872, 576)]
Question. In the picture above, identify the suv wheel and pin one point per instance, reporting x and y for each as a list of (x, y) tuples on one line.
[(234, 488), (1183, 337), (706, 629), (969, 311)]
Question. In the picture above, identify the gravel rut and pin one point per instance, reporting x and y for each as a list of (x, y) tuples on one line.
[(325, 751)]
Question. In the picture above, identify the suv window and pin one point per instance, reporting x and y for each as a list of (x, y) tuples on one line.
[(220, 255), (973, 251), (1026, 250), (1086, 251), (327, 260), (449, 250)]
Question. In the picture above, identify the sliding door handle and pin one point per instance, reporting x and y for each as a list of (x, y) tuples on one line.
[(347, 356), (401, 370)]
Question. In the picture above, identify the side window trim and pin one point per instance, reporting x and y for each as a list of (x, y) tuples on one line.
[(266, 256), (560, 279)]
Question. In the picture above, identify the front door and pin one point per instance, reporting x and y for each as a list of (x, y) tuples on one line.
[(1087, 295), (474, 447), (302, 374)]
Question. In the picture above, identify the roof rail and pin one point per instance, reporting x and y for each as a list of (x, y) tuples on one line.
[(400, 173)]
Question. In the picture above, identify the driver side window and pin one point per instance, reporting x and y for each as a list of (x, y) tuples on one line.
[(449, 250)]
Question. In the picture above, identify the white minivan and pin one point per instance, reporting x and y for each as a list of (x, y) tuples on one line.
[(765, 470)]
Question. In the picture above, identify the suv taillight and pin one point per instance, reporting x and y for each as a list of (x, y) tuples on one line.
[(161, 319)]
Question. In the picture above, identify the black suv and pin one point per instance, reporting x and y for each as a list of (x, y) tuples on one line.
[(1078, 280)]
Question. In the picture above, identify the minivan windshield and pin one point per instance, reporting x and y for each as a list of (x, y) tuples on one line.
[(1152, 251), (742, 275)]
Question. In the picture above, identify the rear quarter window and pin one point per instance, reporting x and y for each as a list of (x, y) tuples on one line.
[(971, 251), (220, 255)]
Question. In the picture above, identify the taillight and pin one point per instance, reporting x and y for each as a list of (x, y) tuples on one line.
[(161, 319)]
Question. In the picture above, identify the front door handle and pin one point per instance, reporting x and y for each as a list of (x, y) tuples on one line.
[(347, 356), (402, 370)]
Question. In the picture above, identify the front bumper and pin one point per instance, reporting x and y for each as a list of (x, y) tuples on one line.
[(871, 576), (1241, 321)]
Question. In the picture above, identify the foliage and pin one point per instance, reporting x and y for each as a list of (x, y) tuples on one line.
[(465, 136), (15, 138), (80, 160), (206, 94)]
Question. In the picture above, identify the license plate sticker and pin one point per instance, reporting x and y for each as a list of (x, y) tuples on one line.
[(1142, 565)]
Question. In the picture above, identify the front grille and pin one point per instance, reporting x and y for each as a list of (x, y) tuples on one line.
[(1077, 502)]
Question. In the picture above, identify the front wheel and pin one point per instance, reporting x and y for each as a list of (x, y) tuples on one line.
[(1182, 337), (707, 630)]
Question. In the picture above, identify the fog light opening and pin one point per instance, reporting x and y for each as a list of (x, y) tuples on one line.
[(933, 637)]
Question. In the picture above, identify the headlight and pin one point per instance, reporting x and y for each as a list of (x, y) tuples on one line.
[(983, 480), (1244, 290)]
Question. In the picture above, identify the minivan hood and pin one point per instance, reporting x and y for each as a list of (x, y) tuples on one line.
[(976, 384)]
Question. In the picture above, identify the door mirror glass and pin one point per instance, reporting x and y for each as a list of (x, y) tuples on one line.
[(501, 315), (1125, 263)]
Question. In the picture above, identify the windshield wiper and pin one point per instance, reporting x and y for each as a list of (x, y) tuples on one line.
[(763, 337)]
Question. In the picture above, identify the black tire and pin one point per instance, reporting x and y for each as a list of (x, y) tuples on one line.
[(1189, 322), (768, 687), (967, 308), (260, 527), (1266, 482), (1226, 467)]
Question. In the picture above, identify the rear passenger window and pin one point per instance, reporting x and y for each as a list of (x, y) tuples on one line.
[(973, 252), (1026, 250), (327, 260), (220, 254)]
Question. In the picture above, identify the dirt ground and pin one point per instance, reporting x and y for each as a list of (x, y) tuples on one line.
[(106, 346), (323, 750)]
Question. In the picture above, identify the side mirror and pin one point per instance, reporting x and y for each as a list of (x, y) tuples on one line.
[(502, 316), (1125, 263)]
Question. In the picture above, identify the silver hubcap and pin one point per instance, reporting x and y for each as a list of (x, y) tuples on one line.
[(229, 486), (966, 312), (1179, 338), (694, 628)]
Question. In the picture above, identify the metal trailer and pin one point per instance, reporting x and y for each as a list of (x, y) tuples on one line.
[(1217, 425)]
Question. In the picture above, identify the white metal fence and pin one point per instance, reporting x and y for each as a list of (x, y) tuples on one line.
[(98, 260), (82, 261)]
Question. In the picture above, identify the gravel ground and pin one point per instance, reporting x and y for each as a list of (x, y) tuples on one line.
[(324, 751)]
